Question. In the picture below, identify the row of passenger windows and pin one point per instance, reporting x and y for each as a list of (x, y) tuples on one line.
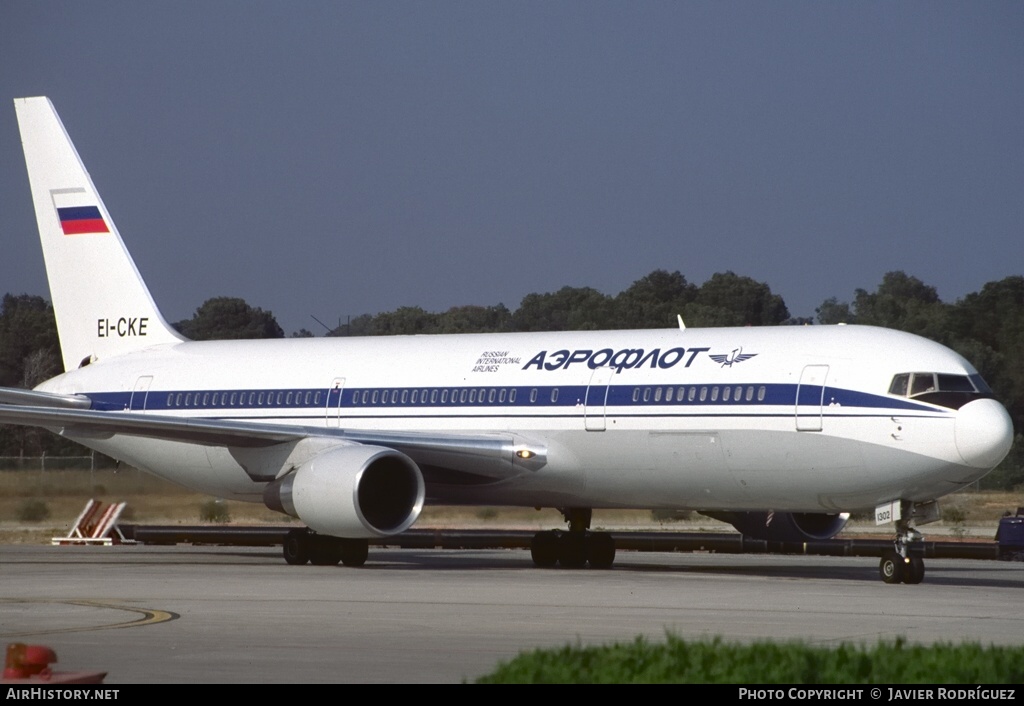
[(434, 396), (279, 398), (483, 395), (691, 394)]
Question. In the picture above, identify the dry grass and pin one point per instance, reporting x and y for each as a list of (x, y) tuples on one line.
[(154, 501)]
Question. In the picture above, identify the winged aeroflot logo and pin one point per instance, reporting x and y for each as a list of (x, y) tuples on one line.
[(737, 356)]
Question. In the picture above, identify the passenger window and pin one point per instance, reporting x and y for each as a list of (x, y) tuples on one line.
[(737, 392), (415, 396), (760, 393), (462, 396), (501, 395), (490, 396), (280, 396), (306, 399), (288, 399), (703, 393), (444, 396), (692, 394), (668, 394), (405, 396), (750, 394), (374, 398), (554, 395), (636, 394), (433, 396), (512, 396), (657, 394), (188, 399), (714, 393), (533, 395), (316, 398), (252, 398), (206, 399), (647, 394), (725, 393), (472, 396), (170, 400)]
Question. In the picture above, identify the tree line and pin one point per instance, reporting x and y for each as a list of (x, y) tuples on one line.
[(986, 327)]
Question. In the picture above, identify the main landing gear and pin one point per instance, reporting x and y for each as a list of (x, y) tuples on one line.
[(303, 545), (901, 564), (577, 547)]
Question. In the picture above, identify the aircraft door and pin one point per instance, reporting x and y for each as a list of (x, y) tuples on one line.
[(140, 393), (597, 397), (332, 411), (810, 396)]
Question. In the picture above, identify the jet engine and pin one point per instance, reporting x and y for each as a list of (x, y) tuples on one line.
[(785, 526), (356, 492)]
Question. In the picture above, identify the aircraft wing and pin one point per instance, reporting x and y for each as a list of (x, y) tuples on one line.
[(485, 456)]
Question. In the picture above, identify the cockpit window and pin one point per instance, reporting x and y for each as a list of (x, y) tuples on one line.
[(953, 391), (955, 383), (900, 384), (922, 383)]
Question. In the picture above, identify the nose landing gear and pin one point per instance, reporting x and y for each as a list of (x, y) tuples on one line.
[(904, 563)]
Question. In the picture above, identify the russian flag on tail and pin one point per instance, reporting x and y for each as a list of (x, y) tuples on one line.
[(76, 220)]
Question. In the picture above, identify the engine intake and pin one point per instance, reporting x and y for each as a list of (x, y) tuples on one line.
[(785, 526), (352, 491)]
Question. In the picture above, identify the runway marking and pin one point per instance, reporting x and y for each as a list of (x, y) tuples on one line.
[(148, 616)]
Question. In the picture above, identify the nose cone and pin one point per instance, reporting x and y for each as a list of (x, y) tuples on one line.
[(984, 433)]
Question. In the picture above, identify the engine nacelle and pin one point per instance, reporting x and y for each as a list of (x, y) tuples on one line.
[(785, 526), (356, 492)]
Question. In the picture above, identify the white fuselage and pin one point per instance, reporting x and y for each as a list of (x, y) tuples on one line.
[(699, 418)]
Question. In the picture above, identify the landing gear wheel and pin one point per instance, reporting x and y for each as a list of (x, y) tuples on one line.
[(600, 550), (296, 547), (892, 567), (572, 550), (353, 552), (914, 570), (324, 551), (544, 549)]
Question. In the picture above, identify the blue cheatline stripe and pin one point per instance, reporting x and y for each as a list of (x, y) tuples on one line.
[(631, 397)]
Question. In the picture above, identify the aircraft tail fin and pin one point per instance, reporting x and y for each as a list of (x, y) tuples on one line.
[(102, 306)]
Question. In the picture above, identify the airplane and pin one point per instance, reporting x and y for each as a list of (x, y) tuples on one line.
[(781, 431)]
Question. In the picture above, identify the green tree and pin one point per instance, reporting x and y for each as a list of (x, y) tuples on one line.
[(655, 300), (223, 318), (475, 319), (833, 311), (739, 301), (27, 327), (568, 309), (905, 303), (987, 328)]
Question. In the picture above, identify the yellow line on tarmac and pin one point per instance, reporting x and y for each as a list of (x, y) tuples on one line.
[(147, 616)]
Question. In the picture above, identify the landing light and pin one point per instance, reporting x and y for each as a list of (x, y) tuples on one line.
[(525, 453)]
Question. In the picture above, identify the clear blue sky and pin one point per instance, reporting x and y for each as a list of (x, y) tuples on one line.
[(337, 158)]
